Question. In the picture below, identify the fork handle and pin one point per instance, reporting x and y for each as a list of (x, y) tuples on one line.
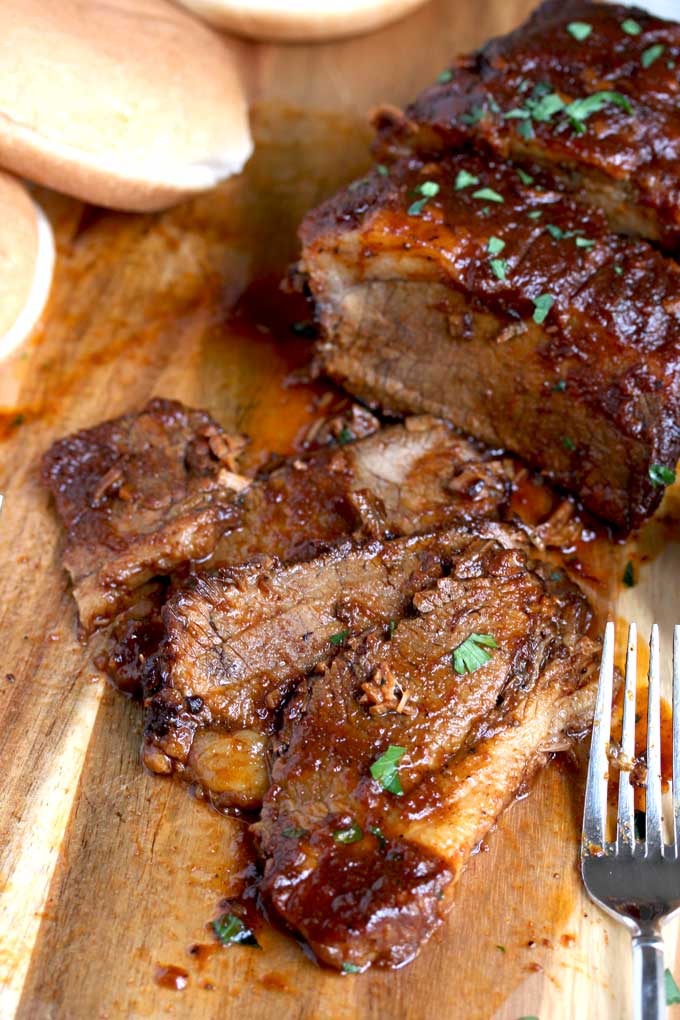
[(649, 993)]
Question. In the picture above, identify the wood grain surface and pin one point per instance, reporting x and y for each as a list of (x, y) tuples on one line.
[(106, 872)]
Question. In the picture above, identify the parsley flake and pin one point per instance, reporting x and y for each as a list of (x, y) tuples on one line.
[(444, 77), (524, 177), (487, 195), (337, 639), (651, 54), (499, 268), (392, 628), (659, 474), (628, 575), (293, 833), (517, 113), (560, 386), (535, 214), (474, 116), (230, 931), (546, 108), (385, 769), (350, 834), (579, 30), (344, 436), (464, 180), (428, 189), (495, 245), (542, 305), (501, 949), (631, 27), (375, 831), (472, 653), (618, 269), (581, 109), (526, 130), (568, 444), (672, 990), (351, 968), (381, 169), (584, 242), (556, 232)]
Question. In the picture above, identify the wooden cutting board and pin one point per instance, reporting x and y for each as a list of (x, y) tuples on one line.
[(107, 873)]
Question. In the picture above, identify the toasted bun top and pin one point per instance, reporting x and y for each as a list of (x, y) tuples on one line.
[(301, 20), (128, 103), (26, 263)]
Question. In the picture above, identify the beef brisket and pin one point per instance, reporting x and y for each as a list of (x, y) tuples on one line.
[(138, 496), (467, 290), (373, 810), (238, 640), (598, 107)]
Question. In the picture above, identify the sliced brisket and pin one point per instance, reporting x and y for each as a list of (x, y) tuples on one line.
[(362, 863)]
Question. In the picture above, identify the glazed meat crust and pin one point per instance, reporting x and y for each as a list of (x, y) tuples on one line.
[(560, 344), (623, 156), (362, 871)]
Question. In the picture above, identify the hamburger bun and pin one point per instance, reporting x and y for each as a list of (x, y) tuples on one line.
[(300, 20), (131, 104), (26, 263)]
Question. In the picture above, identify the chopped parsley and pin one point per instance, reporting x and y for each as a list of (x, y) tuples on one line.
[(345, 436), (545, 109), (428, 189), (560, 386), (381, 169), (556, 232), (487, 195), (295, 833), (659, 474), (472, 653), (580, 109), (375, 831), (444, 77), (495, 246), (542, 305), (230, 931), (392, 628), (618, 269), (672, 990), (337, 639), (579, 30), (499, 268), (535, 214), (501, 949), (351, 968), (631, 27), (526, 130), (584, 242), (524, 177), (385, 769), (350, 834), (651, 54), (517, 113), (628, 575), (474, 116), (464, 180), (568, 444)]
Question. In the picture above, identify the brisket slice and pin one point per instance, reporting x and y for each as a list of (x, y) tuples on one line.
[(366, 874), (236, 642), (419, 315), (138, 496), (403, 479), (624, 157)]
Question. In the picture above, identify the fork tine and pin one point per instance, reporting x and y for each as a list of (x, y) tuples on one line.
[(654, 834), (625, 822), (676, 740), (595, 810)]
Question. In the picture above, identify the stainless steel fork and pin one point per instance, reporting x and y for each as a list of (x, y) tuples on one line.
[(636, 879)]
